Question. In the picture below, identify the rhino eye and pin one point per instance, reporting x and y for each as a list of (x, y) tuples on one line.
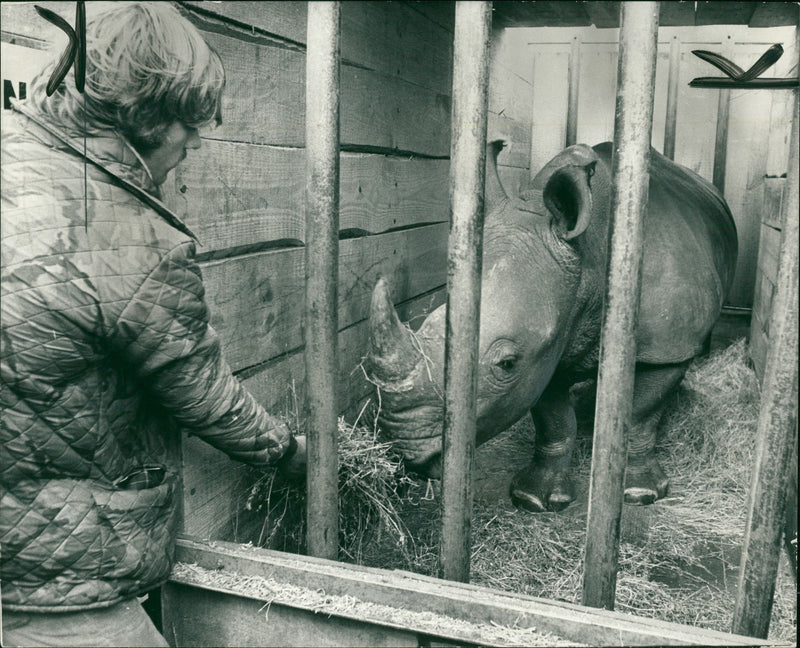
[(507, 364)]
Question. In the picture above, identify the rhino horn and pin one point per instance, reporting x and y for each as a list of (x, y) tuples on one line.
[(392, 354), (494, 192)]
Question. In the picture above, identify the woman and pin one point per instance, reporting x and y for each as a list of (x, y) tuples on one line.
[(107, 350)]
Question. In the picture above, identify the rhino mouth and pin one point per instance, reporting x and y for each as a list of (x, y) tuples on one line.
[(430, 468)]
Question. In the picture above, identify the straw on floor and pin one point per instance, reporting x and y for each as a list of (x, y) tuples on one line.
[(678, 560)]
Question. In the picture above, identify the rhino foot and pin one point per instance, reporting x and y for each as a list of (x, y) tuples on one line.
[(539, 489), (645, 482)]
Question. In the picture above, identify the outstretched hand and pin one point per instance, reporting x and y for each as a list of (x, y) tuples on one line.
[(295, 465)]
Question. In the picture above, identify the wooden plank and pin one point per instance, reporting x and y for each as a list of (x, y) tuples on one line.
[(193, 618), (603, 13), (543, 13), (777, 426), (665, 100), (256, 300), (714, 12), (762, 306), (264, 102), (216, 487), (676, 14), (549, 108), (772, 14), (721, 139), (510, 87), (509, 50), (748, 135), (394, 39), (773, 194), (758, 343), (457, 600), (697, 114), (231, 194), (768, 252), (386, 112), (284, 19), (264, 97), (598, 83), (780, 119), (441, 13)]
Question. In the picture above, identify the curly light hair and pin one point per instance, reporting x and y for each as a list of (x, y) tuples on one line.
[(146, 67)]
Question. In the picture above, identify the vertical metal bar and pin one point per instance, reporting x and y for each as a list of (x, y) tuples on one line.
[(574, 80), (465, 250), (321, 259), (632, 126), (670, 125), (777, 423)]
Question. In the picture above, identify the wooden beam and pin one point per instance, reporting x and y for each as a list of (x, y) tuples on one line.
[(603, 13), (412, 592), (255, 193), (714, 12), (721, 139), (634, 116), (473, 28), (321, 272), (676, 14), (777, 424), (773, 14)]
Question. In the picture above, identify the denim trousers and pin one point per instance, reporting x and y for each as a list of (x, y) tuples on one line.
[(123, 624)]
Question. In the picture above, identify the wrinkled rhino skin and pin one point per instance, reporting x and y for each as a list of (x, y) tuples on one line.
[(543, 282)]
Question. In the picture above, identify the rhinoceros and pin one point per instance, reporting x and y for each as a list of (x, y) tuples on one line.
[(544, 277)]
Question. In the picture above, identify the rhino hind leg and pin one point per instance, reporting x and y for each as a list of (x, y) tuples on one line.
[(545, 485), (645, 480)]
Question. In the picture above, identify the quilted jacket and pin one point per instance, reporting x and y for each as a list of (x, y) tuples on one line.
[(106, 354)]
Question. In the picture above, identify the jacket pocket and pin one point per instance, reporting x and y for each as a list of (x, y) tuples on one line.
[(138, 527)]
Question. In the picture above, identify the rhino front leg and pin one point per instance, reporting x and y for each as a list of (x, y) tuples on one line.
[(545, 484), (645, 481)]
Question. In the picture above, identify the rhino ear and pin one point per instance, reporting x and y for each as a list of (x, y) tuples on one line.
[(568, 197), (494, 193)]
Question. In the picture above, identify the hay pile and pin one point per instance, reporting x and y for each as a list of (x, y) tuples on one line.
[(372, 485), (678, 559)]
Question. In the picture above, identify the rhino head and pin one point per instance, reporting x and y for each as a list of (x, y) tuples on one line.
[(535, 263)]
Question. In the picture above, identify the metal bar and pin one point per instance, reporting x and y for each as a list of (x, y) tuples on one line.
[(321, 259), (632, 126), (671, 122), (473, 21), (574, 80), (777, 425)]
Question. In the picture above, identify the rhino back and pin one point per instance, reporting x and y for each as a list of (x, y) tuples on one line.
[(689, 258)]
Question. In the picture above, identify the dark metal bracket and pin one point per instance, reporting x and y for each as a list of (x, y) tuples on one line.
[(737, 77)]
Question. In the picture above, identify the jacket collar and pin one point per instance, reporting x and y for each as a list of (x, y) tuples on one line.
[(113, 150), (112, 153)]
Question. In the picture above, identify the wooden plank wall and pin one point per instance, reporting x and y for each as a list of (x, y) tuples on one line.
[(757, 119), (242, 193)]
